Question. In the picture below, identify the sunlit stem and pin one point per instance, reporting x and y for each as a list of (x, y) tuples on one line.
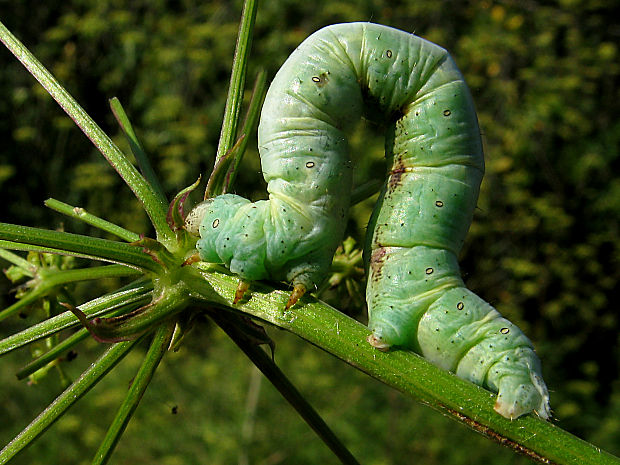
[(228, 135), (158, 348), (153, 205), (81, 214), (271, 371)]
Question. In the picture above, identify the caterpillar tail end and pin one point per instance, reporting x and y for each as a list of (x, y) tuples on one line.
[(298, 291), (520, 397)]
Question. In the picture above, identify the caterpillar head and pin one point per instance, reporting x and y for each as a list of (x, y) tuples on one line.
[(195, 217), (208, 219)]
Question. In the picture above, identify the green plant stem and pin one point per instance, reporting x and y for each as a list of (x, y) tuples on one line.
[(43, 250), (168, 300), (55, 352), (158, 348), (249, 125), (102, 249), (286, 388), (228, 134), (345, 338), (27, 267), (82, 215), (50, 279), (56, 409), (155, 209), (143, 162), (52, 354), (365, 190), (130, 297)]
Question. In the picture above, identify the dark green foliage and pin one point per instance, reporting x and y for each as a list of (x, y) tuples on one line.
[(544, 247)]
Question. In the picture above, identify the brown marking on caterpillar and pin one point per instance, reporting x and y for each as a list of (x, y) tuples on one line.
[(377, 259), (395, 175)]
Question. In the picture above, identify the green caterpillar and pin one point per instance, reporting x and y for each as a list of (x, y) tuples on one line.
[(416, 297)]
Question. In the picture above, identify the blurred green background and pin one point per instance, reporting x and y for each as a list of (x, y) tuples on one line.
[(544, 247)]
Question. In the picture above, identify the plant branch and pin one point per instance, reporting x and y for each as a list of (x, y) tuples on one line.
[(146, 193), (249, 125), (56, 409), (345, 338), (88, 218), (48, 280), (138, 152), (131, 296), (103, 249), (52, 354), (157, 350), (234, 100), (286, 388), (28, 268)]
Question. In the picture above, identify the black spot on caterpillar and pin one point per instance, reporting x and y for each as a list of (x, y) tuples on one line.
[(416, 297)]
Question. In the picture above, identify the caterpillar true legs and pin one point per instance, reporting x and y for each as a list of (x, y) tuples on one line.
[(416, 298)]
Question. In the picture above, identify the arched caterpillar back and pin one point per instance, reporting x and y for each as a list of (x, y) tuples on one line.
[(416, 297)]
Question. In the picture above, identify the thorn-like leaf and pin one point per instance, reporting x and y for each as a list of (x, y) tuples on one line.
[(176, 211)]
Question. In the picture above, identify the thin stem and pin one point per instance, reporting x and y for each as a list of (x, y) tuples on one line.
[(28, 268), (52, 354), (82, 215), (234, 100), (143, 162), (154, 207), (249, 125), (158, 348), (364, 191), (47, 250), (49, 280), (129, 297), (55, 352), (112, 251), (56, 409), (286, 388)]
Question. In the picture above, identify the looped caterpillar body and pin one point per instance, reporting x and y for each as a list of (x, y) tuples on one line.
[(416, 297)]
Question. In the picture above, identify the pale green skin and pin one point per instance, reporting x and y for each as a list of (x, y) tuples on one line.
[(416, 298)]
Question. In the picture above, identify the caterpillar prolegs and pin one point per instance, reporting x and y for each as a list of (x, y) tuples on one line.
[(416, 297)]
